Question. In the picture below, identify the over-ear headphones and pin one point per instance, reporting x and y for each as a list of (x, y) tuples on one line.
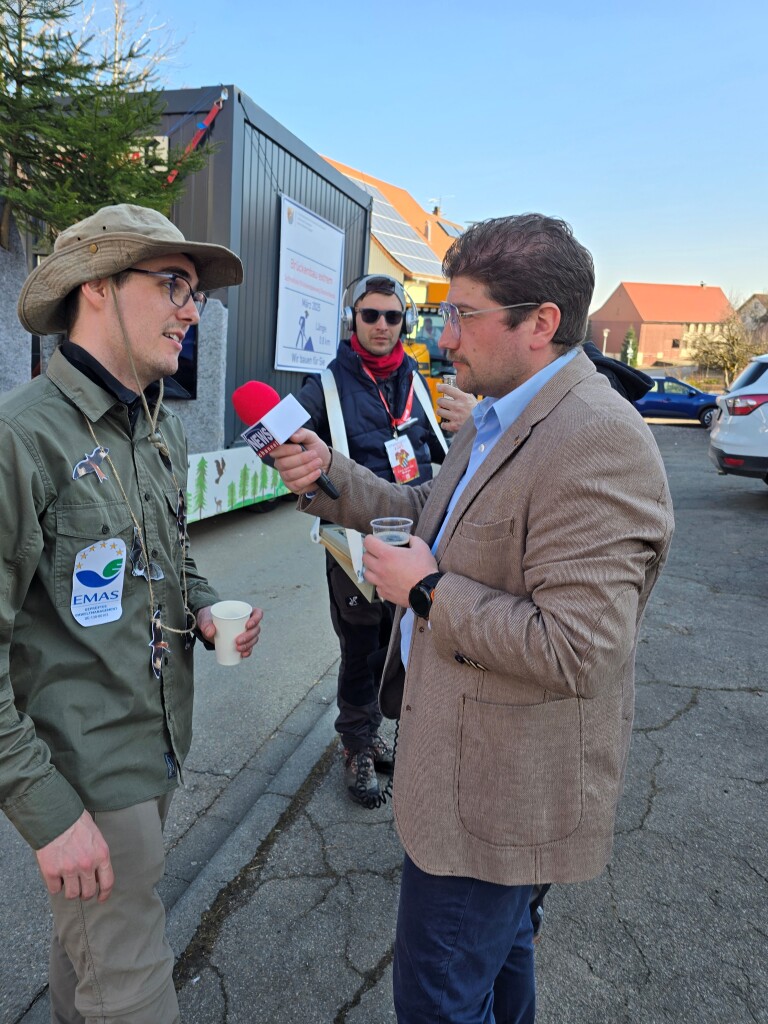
[(384, 284)]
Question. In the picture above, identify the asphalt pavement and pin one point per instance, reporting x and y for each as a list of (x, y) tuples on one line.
[(282, 893)]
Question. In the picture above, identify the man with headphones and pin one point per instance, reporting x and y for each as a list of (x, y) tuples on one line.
[(381, 413)]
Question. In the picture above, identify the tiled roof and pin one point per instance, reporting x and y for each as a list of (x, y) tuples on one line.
[(437, 239), (678, 303)]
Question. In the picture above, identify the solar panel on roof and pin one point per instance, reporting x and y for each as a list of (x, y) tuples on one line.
[(398, 237), (449, 229)]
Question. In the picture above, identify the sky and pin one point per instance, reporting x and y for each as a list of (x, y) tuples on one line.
[(641, 125)]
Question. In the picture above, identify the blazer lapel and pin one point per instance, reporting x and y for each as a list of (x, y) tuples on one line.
[(445, 483), (540, 406)]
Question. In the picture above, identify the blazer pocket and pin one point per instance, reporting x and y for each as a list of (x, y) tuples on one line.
[(519, 776), (486, 533)]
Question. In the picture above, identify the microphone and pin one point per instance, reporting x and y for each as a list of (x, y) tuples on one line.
[(272, 421)]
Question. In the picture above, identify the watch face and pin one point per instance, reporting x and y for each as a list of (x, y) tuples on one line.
[(419, 600)]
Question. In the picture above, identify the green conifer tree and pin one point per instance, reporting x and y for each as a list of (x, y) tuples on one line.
[(77, 130), (244, 482), (201, 487), (629, 347)]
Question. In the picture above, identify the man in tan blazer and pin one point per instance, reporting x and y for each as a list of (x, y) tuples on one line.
[(519, 601)]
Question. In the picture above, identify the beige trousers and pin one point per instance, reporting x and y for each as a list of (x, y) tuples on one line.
[(111, 962)]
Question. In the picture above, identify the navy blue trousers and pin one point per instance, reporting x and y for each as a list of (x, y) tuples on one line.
[(463, 951)]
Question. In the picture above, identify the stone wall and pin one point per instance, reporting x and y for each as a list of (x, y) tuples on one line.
[(16, 345), (203, 418)]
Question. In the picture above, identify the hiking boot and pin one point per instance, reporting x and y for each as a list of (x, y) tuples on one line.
[(383, 758), (360, 777)]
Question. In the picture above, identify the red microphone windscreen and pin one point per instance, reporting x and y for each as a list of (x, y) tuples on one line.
[(253, 400)]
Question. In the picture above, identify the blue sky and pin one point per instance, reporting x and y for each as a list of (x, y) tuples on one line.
[(644, 128)]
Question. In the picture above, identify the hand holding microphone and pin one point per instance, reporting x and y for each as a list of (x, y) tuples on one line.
[(271, 422)]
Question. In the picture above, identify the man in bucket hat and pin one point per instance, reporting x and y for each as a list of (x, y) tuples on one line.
[(102, 601)]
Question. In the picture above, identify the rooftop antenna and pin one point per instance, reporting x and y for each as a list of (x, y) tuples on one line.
[(438, 203)]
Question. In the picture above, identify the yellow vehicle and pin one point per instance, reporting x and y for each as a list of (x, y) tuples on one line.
[(431, 369), (424, 344)]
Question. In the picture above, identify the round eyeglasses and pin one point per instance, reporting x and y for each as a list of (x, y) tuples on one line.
[(179, 288), (452, 316)]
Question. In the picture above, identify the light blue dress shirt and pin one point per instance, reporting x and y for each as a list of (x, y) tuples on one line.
[(493, 417)]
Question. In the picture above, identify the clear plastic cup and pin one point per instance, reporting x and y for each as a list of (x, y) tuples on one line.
[(392, 530)]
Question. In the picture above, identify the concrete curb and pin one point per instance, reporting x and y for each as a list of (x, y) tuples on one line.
[(243, 843)]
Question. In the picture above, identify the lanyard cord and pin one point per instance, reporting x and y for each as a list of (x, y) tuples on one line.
[(400, 420), (155, 438), (140, 534)]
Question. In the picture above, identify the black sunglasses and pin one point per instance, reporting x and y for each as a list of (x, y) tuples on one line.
[(371, 316)]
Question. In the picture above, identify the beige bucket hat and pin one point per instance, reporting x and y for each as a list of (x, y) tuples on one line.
[(113, 239)]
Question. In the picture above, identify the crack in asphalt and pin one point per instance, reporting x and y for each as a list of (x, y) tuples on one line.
[(236, 893), (371, 978), (675, 716)]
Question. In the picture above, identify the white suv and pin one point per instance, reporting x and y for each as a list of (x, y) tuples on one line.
[(739, 439)]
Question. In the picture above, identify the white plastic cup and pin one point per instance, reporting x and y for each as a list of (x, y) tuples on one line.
[(229, 618), (392, 530)]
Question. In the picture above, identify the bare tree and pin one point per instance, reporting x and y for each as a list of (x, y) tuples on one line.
[(728, 346), (151, 45)]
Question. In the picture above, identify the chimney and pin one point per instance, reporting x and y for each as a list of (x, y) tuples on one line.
[(436, 211)]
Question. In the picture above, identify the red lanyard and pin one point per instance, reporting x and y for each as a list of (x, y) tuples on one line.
[(400, 420)]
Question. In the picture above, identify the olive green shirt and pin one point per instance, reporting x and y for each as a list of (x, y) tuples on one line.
[(84, 721)]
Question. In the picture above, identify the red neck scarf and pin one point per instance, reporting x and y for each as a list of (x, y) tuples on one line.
[(380, 366)]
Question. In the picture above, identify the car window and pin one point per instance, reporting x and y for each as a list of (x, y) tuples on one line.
[(654, 388), (748, 376), (672, 387)]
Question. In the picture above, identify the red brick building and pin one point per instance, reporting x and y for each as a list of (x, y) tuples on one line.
[(664, 316)]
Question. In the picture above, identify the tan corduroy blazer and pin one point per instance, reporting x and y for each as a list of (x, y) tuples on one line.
[(516, 709)]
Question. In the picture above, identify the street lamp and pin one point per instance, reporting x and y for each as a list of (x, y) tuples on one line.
[(606, 332)]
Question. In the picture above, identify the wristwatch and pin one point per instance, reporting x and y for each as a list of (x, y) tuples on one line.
[(420, 596)]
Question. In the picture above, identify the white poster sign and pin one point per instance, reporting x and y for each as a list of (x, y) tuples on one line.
[(309, 299)]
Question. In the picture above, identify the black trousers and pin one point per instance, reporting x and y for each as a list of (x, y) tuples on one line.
[(363, 628)]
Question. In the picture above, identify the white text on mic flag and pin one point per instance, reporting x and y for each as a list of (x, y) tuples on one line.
[(276, 426)]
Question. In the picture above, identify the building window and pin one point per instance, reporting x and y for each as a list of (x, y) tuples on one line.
[(675, 343)]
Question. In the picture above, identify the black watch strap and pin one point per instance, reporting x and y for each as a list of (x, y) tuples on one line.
[(421, 595)]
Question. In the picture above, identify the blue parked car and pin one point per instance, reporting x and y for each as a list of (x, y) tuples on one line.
[(676, 399)]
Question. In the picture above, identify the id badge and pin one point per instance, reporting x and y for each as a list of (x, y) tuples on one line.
[(402, 459), (97, 582)]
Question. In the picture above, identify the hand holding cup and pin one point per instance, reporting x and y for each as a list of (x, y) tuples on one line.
[(229, 618), (392, 530)]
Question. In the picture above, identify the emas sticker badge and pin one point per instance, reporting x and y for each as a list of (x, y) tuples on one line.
[(97, 582)]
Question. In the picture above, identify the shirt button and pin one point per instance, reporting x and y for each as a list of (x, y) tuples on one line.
[(482, 447), (146, 496), (105, 529)]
